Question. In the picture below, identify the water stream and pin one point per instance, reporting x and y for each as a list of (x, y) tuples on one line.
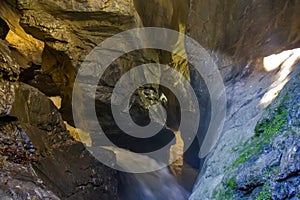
[(157, 185)]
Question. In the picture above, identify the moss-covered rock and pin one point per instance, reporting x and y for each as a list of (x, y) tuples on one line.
[(269, 163)]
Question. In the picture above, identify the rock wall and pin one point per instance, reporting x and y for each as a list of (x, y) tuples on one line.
[(239, 34), (245, 30), (63, 164), (16, 150), (39, 158), (72, 29), (268, 163), (47, 40), (25, 49)]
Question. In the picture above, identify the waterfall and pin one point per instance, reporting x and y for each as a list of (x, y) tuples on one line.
[(156, 185)]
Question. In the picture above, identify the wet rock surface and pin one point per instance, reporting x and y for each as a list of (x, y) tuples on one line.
[(268, 165), (9, 72), (9, 69), (46, 41), (65, 166), (65, 33), (18, 179), (70, 31), (39, 158), (24, 47), (238, 46), (7, 92)]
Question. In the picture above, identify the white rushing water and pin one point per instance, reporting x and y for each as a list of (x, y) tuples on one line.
[(157, 185)]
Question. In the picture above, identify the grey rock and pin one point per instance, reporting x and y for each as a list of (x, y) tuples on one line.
[(7, 90), (9, 72), (254, 175), (18, 180), (288, 189), (64, 165), (231, 27), (9, 69), (230, 30), (274, 167), (290, 162)]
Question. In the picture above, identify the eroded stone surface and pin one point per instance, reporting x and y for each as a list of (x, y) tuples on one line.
[(25, 48), (268, 163), (70, 29), (245, 30), (39, 158), (64, 164), (18, 179), (238, 33)]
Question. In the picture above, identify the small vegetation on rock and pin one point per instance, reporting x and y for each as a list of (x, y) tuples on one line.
[(264, 194), (264, 132), (231, 183), (274, 122)]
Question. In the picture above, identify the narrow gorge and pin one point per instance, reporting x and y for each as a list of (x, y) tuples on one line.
[(246, 116)]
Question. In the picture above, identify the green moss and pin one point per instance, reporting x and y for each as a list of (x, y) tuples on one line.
[(224, 195), (214, 194), (264, 194), (231, 183), (269, 128), (274, 171), (264, 132), (228, 195), (226, 192)]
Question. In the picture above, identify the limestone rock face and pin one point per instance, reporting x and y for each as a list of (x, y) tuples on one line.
[(61, 159), (18, 179), (238, 34), (70, 31), (47, 40), (268, 165), (9, 72), (7, 92), (25, 49), (9, 69), (58, 35), (245, 30), (39, 158)]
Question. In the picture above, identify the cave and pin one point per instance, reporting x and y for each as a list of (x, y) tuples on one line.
[(155, 99)]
